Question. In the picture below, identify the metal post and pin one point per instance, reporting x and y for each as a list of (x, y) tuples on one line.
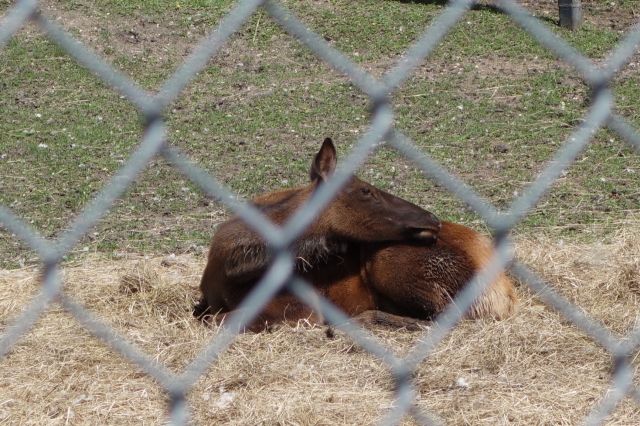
[(570, 13)]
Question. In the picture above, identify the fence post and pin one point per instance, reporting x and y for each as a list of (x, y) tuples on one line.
[(570, 13)]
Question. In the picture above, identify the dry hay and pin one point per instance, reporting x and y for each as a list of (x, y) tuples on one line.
[(535, 368)]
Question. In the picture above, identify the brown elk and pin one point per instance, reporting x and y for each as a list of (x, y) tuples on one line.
[(367, 251)]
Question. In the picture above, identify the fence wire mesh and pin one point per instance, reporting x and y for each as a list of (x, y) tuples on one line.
[(154, 142)]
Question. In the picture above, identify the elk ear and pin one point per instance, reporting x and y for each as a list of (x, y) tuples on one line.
[(324, 164)]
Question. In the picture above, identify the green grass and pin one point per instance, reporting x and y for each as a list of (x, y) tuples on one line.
[(491, 105)]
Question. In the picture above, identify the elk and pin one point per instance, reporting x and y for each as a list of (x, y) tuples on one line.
[(350, 254)]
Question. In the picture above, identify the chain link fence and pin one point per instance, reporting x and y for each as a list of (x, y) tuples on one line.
[(154, 142)]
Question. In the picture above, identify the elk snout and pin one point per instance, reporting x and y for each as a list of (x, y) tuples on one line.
[(426, 227), (422, 225)]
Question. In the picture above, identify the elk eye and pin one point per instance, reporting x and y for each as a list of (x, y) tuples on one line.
[(365, 191)]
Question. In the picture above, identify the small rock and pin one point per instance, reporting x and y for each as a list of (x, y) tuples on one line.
[(501, 148), (169, 260), (225, 400), (462, 383)]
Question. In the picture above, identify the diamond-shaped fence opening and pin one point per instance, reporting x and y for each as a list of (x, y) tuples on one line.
[(381, 127)]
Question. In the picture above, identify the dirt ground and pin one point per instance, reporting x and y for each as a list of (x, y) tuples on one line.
[(534, 368)]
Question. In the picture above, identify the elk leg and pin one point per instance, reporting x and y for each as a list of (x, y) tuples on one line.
[(211, 301), (283, 309), (385, 319)]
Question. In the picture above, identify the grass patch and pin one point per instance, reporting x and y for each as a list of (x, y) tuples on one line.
[(491, 105)]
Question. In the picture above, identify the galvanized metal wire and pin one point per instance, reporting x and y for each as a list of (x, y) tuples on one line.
[(281, 272)]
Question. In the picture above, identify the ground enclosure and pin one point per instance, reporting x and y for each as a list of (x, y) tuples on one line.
[(490, 104)]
